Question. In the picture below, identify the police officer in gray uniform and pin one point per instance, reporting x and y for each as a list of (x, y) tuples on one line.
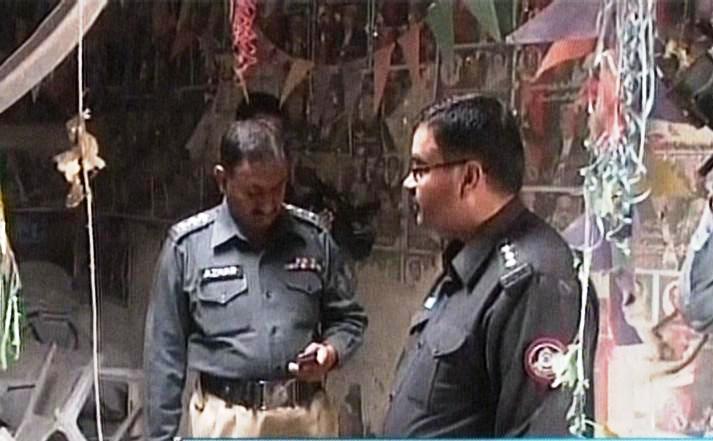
[(697, 275), (255, 297), (478, 362)]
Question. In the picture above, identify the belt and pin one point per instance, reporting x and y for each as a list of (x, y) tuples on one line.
[(261, 394)]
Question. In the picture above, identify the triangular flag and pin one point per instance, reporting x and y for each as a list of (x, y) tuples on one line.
[(565, 50), (321, 78), (506, 11), (382, 61), (440, 20), (401, 121), (410, 43), (298, 71), (561, 20), (486, 14), (351, 76)]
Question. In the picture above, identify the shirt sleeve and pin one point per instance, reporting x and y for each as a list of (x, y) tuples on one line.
[(343, 318), (696, 284), (165, 346), (527, 328)]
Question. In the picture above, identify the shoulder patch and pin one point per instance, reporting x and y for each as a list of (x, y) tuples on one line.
[(308, 216), (517, 270), (540, 358), (191, 224)]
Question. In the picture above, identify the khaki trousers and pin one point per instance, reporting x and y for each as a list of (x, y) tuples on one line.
[(212, 417)]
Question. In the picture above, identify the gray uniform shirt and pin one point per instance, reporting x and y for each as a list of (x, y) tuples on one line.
[(223, 308), (697, 277)]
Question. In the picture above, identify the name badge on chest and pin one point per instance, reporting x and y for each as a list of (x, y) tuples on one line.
[(216, 273)]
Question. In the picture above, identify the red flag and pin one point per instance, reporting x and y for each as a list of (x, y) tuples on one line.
[(382, 61), (565, 50)]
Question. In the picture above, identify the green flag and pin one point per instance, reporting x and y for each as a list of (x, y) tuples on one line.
[(440, 20)]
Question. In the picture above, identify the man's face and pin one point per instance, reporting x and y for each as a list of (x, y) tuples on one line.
[(254, 192), (434, 190)]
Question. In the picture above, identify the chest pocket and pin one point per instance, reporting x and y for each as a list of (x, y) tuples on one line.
[(441, 368), (305, 282), (222, 307), (302, 296), (222, 291)]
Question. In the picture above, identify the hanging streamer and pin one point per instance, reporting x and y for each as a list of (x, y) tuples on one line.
[(620, 97), (244, 37), (10, 343)]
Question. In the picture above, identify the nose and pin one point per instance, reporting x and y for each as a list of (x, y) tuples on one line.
[(409, 183)]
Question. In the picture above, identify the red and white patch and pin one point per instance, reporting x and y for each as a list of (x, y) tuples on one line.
[(539, 358)]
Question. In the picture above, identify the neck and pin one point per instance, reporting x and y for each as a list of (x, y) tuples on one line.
[(481, 210)]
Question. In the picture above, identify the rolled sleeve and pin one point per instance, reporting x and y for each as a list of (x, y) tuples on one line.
[(165, 346), (343, 318)]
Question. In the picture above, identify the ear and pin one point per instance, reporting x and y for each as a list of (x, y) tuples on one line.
[(220, 177), (472, 177)]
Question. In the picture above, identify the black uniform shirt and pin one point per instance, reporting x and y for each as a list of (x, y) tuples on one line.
[(478, 362), (697, 276), (222, 308)]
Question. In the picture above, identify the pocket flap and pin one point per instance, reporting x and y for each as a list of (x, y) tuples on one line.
[(304, 281), (222, 291), (445, 340)]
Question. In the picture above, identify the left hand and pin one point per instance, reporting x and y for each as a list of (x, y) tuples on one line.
[(326, 358)]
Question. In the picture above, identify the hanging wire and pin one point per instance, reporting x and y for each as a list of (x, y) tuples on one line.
[(371, 32), (83, 115)]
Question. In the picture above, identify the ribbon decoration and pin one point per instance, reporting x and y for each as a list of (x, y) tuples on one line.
[(10, 315), (244, 37)]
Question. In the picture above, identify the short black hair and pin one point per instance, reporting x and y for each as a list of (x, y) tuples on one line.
[(254, 140), (259, 104), (482, 128)]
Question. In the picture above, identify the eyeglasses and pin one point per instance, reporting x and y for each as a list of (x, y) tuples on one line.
[(419, 171)]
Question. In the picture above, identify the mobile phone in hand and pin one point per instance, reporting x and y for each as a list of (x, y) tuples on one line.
[(304, 359)]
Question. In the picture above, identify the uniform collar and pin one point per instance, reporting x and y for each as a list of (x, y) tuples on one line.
[(226, 228), (466, 260)]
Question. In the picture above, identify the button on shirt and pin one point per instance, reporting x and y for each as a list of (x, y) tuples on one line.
[(223, 308)]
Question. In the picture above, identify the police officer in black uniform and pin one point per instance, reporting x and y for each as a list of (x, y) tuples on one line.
[(696, 284), (255, 297), (479, 361)]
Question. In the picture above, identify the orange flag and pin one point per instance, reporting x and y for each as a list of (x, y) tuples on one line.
[(565, 50), (299, 70), (411, 45)]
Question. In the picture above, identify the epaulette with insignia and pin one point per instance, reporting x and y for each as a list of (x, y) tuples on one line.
[(517, 271), (191, 224), (308, 216)]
